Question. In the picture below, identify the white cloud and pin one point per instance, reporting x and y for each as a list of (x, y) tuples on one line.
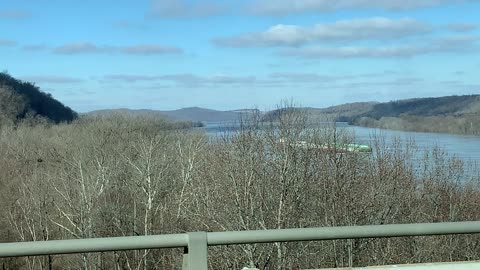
[(377, 28), (285, 7)]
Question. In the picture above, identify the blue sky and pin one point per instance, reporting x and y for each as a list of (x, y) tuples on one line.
[(169, 54)]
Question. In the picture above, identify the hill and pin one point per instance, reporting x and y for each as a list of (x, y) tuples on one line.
[(440, 106), (348, 111), (194, 114), (20, 100), (450, 114)]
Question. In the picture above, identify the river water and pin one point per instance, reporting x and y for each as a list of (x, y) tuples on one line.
[(464, 147)]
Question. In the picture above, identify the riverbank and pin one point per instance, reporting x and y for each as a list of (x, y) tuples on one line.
[(468, 124)]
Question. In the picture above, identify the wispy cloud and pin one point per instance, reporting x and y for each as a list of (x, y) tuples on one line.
[(14, 14), (7, 42), (277, 79), (377, 28), (128, 78), (462, 27), (186, 79), (34, 47), (285, 7), (353, 52), (52, 79), (82, 47), (186, 9), (305, 77), (150, 49), (90, 48), (124, 24), (205, 8), (444, 45), (456, 42)]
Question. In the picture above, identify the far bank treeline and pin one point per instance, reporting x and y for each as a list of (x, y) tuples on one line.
[(450, 114)]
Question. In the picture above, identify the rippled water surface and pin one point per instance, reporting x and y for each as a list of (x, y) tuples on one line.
[(465, 147)]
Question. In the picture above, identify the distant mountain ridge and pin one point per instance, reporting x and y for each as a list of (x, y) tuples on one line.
[(349, 112), (195, 114)]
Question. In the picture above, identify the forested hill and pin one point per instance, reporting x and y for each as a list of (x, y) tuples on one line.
[(440, 106), (449, 114), (20, 100)]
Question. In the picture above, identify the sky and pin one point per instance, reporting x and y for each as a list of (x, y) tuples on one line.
[(225, 55)]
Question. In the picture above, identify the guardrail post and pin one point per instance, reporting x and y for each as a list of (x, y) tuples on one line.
[(196, 254)]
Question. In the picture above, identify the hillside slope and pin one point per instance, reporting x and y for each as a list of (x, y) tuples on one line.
[(440, 106), (450, 114), (194, 114), (19, 100)]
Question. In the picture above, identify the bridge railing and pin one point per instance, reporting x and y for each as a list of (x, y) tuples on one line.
[(196, 244)]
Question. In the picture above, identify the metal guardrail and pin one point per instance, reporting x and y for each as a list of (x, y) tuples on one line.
[(196, 243)]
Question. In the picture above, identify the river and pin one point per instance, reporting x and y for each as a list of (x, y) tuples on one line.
[(464, 147)]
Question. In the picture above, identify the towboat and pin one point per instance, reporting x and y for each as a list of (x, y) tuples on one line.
[(338, 148), (349, 148)]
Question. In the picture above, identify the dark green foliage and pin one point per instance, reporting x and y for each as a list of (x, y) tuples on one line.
[(35, 102)]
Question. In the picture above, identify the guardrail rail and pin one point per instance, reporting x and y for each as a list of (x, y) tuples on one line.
[(196, 244)]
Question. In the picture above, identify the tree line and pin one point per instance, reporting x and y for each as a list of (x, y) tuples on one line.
[(127, 176), (465, 124)]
